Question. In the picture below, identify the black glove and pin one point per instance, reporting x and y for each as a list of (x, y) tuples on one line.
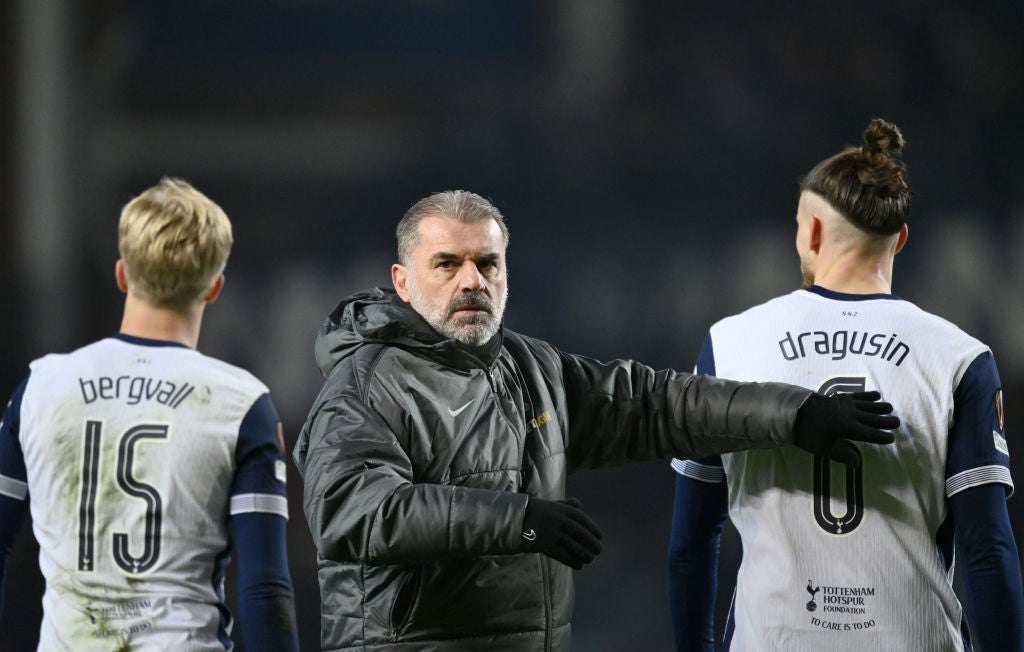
[(826, 424), (561, 530)]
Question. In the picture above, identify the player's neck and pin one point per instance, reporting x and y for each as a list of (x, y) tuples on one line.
[(160, 323), (856, 276)]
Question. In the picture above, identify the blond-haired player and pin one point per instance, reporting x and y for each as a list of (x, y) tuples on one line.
[(148, 464)]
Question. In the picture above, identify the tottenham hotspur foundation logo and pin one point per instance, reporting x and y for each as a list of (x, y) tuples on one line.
[(812, 605)]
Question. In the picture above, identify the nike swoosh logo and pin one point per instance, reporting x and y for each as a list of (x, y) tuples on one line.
[(530, 536), (456, 413)]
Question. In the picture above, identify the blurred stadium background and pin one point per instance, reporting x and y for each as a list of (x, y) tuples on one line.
[(644, 153)]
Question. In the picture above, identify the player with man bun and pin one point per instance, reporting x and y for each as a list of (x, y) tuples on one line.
[(859, 557)]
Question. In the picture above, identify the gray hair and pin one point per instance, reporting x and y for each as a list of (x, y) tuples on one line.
[(460, 205)]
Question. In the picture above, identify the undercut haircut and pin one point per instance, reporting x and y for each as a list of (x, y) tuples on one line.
[(867, 185)]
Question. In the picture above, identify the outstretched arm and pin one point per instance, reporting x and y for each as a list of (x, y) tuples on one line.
[(623, 411)]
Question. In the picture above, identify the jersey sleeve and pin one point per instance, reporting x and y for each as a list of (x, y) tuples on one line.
[(986, 551), (266, 600), (13, 482), (699, 513), (259, 484), (708, 469), (13, 477), (706, 357), (698, 516), (978, 452)]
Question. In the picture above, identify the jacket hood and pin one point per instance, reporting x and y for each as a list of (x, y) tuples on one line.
[(380, 316)]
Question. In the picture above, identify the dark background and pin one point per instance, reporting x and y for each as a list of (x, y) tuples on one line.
[(645, 155)]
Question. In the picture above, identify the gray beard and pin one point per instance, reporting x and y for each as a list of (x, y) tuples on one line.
[(475, 330)]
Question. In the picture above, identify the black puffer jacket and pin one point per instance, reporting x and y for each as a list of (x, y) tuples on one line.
[(420, 454)]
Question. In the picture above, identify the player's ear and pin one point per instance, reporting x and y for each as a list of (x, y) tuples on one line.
[(214, 291), (120, 276), (400, 279), (902, 240), (814, 234)]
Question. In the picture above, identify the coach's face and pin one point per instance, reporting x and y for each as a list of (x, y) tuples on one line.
[(456, 278)]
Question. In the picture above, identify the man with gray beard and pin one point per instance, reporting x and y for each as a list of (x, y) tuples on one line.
[(435, 456)]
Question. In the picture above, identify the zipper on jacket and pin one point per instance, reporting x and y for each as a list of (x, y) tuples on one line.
[(404, 602)]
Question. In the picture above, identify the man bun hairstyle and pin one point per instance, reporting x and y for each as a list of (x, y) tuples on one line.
[(866, 184)]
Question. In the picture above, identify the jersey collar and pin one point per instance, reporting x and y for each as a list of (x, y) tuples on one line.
[(145, 341), (843, 296)]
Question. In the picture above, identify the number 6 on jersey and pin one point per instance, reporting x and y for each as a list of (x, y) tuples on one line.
[(823, 515)]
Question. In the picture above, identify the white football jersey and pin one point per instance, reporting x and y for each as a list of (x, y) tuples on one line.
[(856, 559), (135, 453)]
